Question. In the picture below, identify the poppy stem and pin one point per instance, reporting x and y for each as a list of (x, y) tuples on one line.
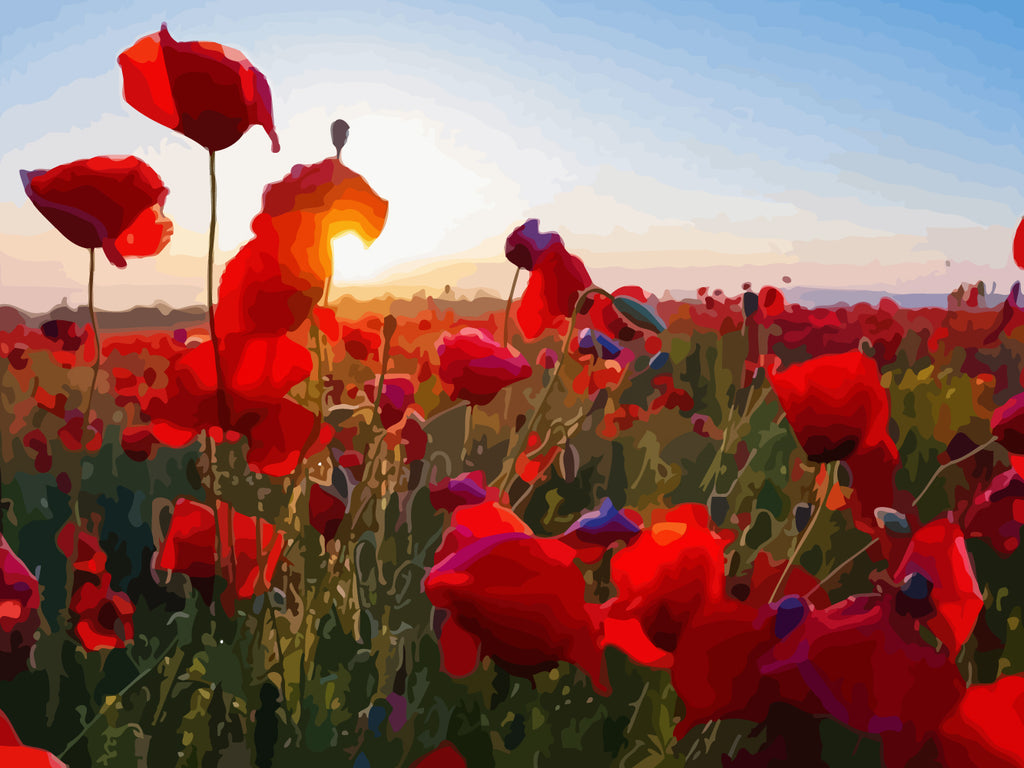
[(467, 437), (505, 478), (86, 410), (830, 474), (85, 729), (835, 571), (508, 304), (222, 403), (385, 355), (948, 464)]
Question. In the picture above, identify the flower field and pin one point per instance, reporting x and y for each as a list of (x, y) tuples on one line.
[(585, 525)]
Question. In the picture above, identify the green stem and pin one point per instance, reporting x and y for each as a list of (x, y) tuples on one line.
[(948, 464), (467, 437), (222, 402), (86, 411), (508, 304), (822, 502), (507, 472), (118, 695), (835, 571)]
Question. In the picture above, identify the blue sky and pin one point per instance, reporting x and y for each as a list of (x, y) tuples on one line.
[(673, 134)]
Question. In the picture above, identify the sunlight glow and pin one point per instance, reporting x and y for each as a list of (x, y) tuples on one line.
[(352, 263)]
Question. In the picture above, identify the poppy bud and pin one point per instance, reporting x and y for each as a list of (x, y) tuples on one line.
[(788, 615), (339, 134), (390, 326), (568, 463)]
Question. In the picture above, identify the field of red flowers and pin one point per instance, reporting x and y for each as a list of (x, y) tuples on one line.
[(589, 526)]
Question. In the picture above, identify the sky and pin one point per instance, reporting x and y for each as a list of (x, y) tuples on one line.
[(866, 144)]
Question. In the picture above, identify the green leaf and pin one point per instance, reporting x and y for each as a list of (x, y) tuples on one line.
[(638, 314)]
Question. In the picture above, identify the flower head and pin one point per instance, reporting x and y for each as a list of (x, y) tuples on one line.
[(206, 91), (113, 203), (474, 367)]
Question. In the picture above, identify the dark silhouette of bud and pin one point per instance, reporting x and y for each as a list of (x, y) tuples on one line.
[(339, 135), (390, 326)]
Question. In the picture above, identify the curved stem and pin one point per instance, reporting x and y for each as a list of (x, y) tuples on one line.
[(835, 571), (506, 472), (508, 304), (948, 464), (822, 502)]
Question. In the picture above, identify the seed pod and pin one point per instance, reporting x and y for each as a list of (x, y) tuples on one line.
[(568, 462)]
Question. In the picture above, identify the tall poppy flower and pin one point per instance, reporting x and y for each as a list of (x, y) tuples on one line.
[(19, 612), (527, 245), (206, 91), (835, 404), (475, 367), (113, 203), (260, 371), (190, 545), (556, 282)]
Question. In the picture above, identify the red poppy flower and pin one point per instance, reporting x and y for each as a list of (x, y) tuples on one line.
[(445, 756), (398, 397), (36, 442), (258, 294), (475, 367), (19, 612), (1008, 424), (669, 572), (311, 207), (361, 343), (472, 522), (467, 489), (520, 600), (71, 433), (103, 618), (326, 509), (868, 668), (189, 546), (873, 475), (138, 443), (259, 372), (555, 285), (835, 404), (91, 557), (986, 725), (997, 513), (937, 552), (527, 245), (206, 91), (14, 753), (716, 673), (113, 203)]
